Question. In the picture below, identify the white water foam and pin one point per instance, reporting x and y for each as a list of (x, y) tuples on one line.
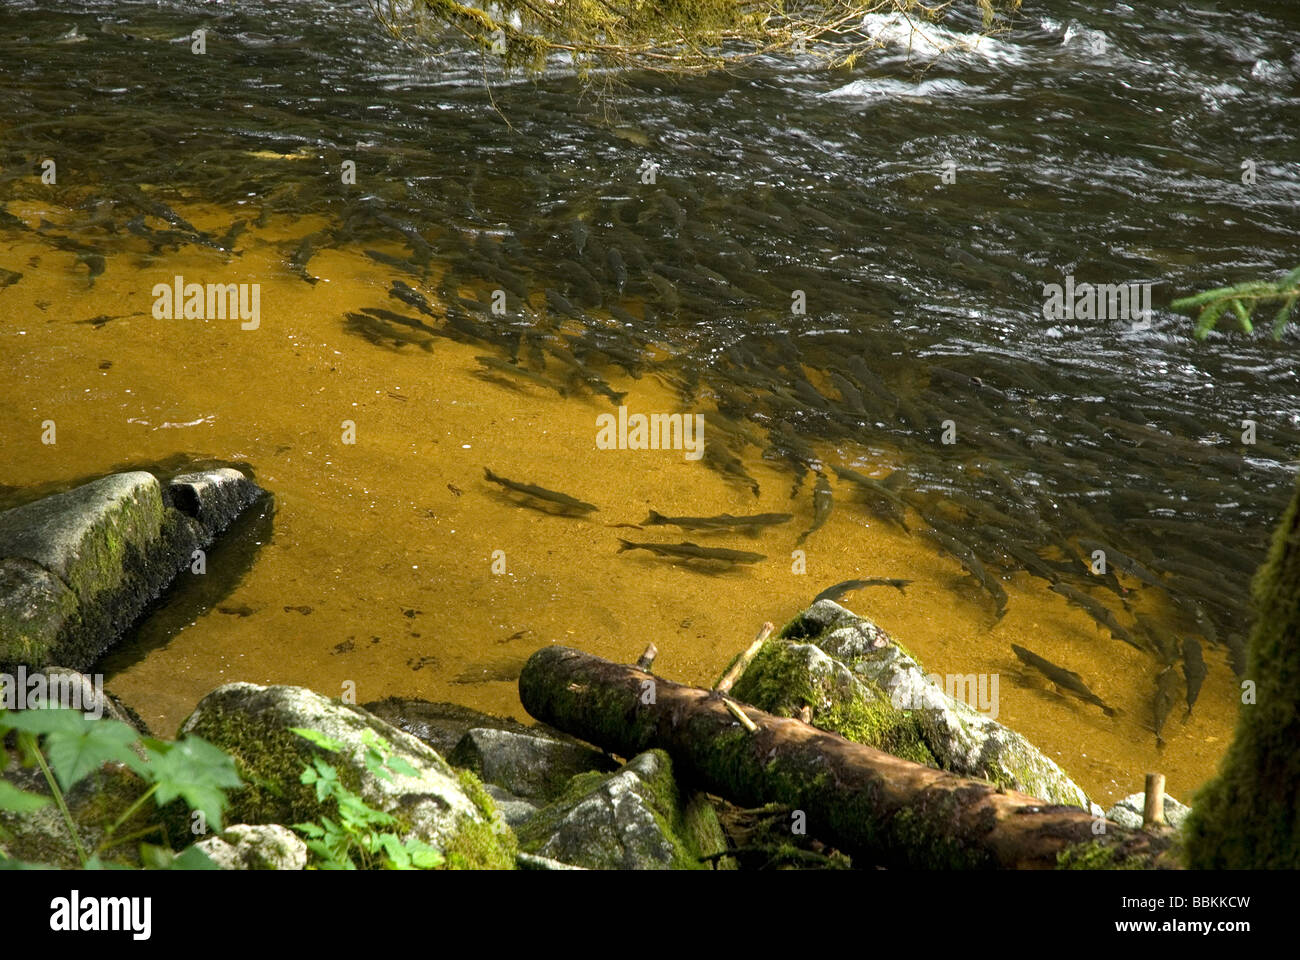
[(930, 41), (887, 88)]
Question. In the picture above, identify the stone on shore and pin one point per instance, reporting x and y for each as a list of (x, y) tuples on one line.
[(532, 767), (628, 820), (861, 683), (246, 846), (439, 806), (77, 568), (1128, 812)]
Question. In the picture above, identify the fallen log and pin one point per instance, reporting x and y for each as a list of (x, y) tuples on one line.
[(879, 809)]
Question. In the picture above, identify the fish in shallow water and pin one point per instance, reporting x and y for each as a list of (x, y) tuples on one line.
[(541, 493), (848, 586), (1064, 679), (882, 501), (1194, 670), (412, 296), (718, 458), (723, 521), (822, 505), (514, 369), (692, 551), (1099, 612)]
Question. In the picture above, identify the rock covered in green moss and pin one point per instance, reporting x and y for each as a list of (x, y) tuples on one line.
[(627, 820), (36, 608), (1128, 812), (531, 767), (77, 568), (926, 724), (784, 677), (247, 846), (440, 806), (95, 803)]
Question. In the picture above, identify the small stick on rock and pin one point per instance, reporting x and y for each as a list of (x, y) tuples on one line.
[(648, 658), (746, 658), (1153, 806), (739, 714)]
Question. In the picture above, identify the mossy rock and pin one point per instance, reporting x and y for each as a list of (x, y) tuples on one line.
[(94, 803), (863, 684), (440, 806), (785, 677), (534, 768), (631, 819), (77, 568)]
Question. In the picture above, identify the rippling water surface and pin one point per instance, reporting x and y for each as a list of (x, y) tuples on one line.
[(1103, 146)]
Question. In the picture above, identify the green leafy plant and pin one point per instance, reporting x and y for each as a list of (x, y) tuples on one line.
[(69, 746), (360, 837), (1243, 300)]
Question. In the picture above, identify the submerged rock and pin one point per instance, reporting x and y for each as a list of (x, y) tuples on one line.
[(439, 806), (77, 568), (861, 683), (628, 820), (246, 846)]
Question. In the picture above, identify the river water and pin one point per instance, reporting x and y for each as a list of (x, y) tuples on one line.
[(840, 271)]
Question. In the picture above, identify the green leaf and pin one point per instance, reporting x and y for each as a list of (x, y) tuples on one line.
[(1243, 316), (318, 738), (14, 800), (49, 721), (423, 856), (1283, 315), (154, 857), (76, 745), (193, 858), (399, 765), (1208, 318), (196, 771)]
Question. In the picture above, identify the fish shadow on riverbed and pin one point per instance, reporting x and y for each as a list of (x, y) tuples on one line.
[(1047, 691), (708, 568), (541, 506)]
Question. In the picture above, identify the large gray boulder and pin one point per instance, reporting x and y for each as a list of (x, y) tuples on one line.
[(77, 568), (861, 683), (440, 806)]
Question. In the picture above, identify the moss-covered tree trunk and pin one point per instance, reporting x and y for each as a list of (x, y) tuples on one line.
[(1249, 816), (879, 808)]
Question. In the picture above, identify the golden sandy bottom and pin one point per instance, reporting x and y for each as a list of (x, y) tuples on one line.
[(396, 566)]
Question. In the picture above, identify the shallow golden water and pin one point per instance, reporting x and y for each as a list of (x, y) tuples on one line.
[(395, 566)]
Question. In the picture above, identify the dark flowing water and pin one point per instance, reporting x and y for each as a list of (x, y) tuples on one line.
[(1106, 146)]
